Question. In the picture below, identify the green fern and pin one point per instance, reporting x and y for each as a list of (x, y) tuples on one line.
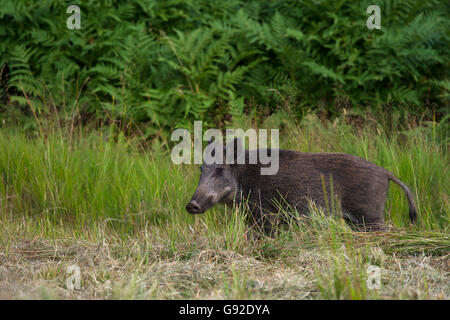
[(169, 62)]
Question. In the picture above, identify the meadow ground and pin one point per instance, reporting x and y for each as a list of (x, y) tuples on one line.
[(114, 206)]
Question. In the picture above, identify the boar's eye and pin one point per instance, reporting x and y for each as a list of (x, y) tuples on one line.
[(219, 171)]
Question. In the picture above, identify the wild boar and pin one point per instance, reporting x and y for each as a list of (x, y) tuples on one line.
[(360, 187)]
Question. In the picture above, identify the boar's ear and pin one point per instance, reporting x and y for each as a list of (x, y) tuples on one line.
[(235, 147)]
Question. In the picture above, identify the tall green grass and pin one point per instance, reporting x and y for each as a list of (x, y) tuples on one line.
[(102, 176), (94, 178)]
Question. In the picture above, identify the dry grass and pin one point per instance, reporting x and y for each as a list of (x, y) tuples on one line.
[(145, 266)]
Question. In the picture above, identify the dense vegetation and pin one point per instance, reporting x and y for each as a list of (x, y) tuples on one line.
[(168, 62)]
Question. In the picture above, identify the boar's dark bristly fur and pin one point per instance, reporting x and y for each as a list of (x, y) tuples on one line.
[(360, 187)]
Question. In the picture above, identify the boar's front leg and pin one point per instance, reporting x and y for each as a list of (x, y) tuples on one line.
[(261, 219)]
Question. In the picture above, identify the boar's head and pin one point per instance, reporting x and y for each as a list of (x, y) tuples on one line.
[(218, 181)]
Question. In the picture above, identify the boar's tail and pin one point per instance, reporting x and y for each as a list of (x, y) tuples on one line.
[(412, 206)]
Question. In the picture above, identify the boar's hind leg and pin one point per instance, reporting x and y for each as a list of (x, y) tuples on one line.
[(365, 208), (362, 221), (375, 225)]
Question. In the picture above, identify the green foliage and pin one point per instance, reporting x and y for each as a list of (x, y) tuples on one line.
[(168, 62)]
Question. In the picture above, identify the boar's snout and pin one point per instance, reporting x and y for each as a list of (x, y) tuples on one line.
[(193, 207)]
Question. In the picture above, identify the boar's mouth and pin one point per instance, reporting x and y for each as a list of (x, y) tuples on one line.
[(194, 208), (199, 204)]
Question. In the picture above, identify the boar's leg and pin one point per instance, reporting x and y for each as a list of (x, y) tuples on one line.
[(365, 206), (260, 220)]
